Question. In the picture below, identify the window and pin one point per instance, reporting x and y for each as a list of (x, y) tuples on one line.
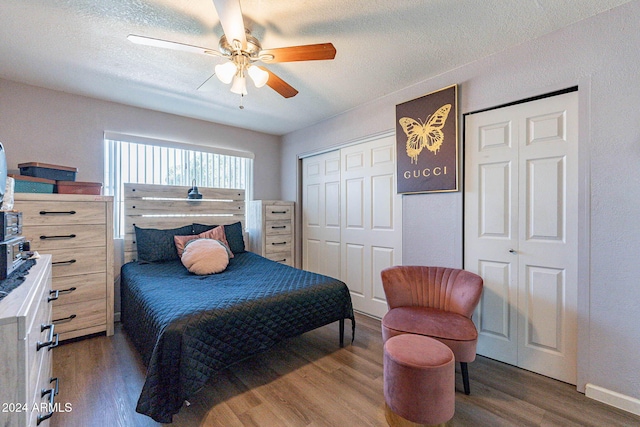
[(129, 159)]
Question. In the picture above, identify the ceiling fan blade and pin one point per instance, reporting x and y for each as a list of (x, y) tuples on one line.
[(279, 85), (231, 20), (310, 52), (209, 85), (149, 41)]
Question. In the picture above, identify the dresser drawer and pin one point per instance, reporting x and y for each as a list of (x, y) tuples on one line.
[(84, 287), (277, 227), (61, 213), (283, 258), (80, 315), (45, 386), (70, 262), (277, 243), (45, 239), (277, 212)]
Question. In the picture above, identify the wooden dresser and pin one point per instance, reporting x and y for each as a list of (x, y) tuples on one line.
[(27, 337), (77, 230), (270, 225)]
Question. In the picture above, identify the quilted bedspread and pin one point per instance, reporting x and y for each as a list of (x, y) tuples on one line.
[(188, 327)]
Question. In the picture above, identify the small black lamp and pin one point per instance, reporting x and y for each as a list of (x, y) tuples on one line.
[(194, 194)]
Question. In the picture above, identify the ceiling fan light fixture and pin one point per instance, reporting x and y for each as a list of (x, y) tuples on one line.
[(258, 75), (226, 72), (239, 85)]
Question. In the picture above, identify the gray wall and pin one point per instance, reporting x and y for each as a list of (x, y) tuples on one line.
[(600, 55), (41, 125)]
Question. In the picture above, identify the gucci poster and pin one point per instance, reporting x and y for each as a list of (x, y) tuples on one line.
[(427, 142)]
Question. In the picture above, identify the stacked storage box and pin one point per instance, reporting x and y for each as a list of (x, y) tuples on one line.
[(44, 170), (63, 177), (30, 184)]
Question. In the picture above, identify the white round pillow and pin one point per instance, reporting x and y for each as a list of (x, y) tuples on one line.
[(205, 256)]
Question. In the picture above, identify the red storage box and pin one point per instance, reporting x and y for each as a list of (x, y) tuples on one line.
[(75, 187)]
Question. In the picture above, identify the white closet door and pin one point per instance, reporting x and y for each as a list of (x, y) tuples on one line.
[(371, 236), (321, 214), (352, 220), (521, 216)]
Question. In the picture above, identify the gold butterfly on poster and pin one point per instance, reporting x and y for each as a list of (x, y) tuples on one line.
[(427, 135)]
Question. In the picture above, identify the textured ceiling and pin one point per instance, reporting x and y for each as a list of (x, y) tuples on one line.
[(80, 46)]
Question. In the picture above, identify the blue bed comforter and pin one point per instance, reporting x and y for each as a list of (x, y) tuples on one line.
[(188, 327)]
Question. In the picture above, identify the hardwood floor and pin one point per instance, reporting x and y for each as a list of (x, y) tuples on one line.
[(309, 381)]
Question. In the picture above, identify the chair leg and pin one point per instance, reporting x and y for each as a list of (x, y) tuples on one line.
[(465, 377)]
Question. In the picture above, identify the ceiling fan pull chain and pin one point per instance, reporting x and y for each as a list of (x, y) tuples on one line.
[(241, 98)]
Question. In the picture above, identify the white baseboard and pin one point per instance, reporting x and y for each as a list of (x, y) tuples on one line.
[(612, 398)]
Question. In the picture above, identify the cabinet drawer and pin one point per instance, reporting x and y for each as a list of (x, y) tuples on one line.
[(40, 403), (80, 315), (84, 287), (277, 227), (42, 381), (277, 212), (61, 213), (70, 262), (277, 243), (45, 239), (283, 258)]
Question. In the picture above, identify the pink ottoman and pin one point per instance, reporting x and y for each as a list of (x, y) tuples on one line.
[(419, 381)]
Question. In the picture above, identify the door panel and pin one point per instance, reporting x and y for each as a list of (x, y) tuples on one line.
[(321, 214), (373, 225), (491, 229)]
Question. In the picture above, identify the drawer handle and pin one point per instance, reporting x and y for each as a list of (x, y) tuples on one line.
[(64, 319), (57, 212), (279, 212), (53, 337), (52, 392), (278, 227), (279, 243), (67, 291), (55, 296), (281, 260), (68, 236), (71, 261)]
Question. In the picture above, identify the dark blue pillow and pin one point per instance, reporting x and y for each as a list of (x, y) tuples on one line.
[(156, 245), (233, 233), (201, 228)]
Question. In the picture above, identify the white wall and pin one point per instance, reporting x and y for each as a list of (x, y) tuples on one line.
[(46, 126), (601, 56)]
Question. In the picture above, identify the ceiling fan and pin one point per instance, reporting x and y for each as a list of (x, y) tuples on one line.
[(243, 51)]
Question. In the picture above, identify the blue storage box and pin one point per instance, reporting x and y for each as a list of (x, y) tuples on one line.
[(30, 184), (44, 170)]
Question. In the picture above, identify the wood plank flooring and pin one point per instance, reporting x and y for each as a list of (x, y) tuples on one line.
[(309, 381)]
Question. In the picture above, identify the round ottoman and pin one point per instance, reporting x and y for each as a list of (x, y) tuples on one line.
[(419, 381)]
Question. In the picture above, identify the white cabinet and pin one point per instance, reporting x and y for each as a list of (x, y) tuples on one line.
[(270, 226), (77, 230), (27, 336)]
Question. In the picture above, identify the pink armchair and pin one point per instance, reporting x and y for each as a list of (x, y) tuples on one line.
[(436, 302)]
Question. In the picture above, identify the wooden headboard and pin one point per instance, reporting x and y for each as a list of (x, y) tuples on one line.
[(165, 206)]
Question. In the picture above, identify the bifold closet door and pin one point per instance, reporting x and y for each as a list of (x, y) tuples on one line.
[(521, 216)]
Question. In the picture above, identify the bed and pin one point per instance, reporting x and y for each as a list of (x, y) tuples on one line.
[(187, 327)]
